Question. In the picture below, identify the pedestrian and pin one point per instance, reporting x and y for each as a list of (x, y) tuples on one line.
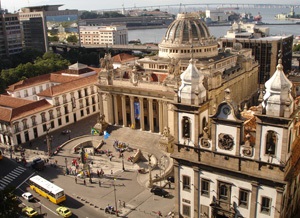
[(55, 162), (124, 204), (110, 157), (99, 183), (76, 180), (169, 185), (84, 182), (98, 173), (120, 203), (111, 172)]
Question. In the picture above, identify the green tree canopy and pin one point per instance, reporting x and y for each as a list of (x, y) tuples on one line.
[(72, 39)]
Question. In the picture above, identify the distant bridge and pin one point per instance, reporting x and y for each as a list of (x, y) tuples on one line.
[(184, 6)]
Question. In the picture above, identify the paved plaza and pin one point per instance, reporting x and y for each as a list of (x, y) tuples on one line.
[(127, 183)]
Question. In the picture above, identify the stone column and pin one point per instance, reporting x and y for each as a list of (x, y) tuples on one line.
[(278, 205), (142, 121), (177, 188), (213, 135), (100, 103), (176, 125), (110, 109), (165, 114), (123, 98), (196, 128), (253, 200), (257, 142), (150, 115), (196, 192), (238, 141), (116, 109), (160, 116), (132, 111)]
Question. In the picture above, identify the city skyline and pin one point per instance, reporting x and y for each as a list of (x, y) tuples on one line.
[(15, 5)]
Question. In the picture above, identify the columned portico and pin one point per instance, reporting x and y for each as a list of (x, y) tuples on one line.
[(132, 118), (142, 113), (123, 99), (116, 109), (150, 116)]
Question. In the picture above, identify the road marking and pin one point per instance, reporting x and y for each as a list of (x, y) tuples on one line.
[(48, 208), (15, 173), (25, 180), (12, 177)]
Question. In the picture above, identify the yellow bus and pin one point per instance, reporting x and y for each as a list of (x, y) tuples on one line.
[(47, 189)]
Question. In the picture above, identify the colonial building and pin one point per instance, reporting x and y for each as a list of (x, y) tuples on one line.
[(238, 167), (34, 106), (143, 97)]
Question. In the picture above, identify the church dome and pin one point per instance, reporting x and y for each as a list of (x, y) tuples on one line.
[(188, 34)]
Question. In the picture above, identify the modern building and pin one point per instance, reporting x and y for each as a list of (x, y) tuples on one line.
[(33, 106), (34, 22), (10, 35), (103, 35), (265, 48)]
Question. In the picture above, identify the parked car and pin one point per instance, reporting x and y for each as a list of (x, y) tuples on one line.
[(29, 211), (27, 196), (159, 191), (64, 211), (38, 164)]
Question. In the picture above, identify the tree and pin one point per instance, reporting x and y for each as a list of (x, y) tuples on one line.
[(72, 39), (88, 15), (296, 48), (9, 205), (53, 38)]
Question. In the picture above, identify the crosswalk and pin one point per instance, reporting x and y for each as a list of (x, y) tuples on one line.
[(11, 176)]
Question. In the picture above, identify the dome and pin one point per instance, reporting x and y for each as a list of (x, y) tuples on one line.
[(187, 29), (185, 35)]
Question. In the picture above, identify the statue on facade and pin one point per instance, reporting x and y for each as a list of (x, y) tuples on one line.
[(106, 62), (134, 78), (166, 132)]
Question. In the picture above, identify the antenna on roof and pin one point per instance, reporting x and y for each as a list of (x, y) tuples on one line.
[(179, 11)]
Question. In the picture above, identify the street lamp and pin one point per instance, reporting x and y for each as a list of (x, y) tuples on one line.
[(115, 194), (48, 141), (150, 175), (123, 167)]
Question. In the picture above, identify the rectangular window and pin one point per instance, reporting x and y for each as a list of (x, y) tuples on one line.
[(67, 119), (205, 187), (265, 205), (44, 127), (186, 210), (81, 113), (243, 198), (59, 121), (52, 124), (186, 180)]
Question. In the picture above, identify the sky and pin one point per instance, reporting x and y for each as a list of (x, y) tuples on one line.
[(14, 5)]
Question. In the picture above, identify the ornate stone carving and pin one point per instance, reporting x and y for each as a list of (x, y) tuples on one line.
[(166, 132), (247, 148), (204, 143), (226, 141)]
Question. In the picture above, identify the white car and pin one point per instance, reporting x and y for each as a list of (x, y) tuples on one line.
[(27, 196)]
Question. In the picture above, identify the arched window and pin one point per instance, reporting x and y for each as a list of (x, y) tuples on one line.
[(204, 122), (271, 142), (186, 127)]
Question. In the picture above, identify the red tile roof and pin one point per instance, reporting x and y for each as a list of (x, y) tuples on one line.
[(69, 86), (123, 57), (11, 102)]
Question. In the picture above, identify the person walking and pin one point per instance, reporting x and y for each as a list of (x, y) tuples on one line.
[(99, 183), (84, 182), (111, 172), (76, 180), (124, 204)]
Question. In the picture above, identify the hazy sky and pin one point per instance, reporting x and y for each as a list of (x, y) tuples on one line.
[(14, 5)]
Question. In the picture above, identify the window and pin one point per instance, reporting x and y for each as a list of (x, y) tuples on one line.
[(44, 127), (79, 94), (87, 102), (271, 142), (85, 92), (67, 119), (41, 88), (59, 121), (25, 126), (52, 125), (58, 112), (25, 93), (66, 109), (43, 117), (51, 115), (186, 127), (186, 210), (64, 99), (223, 192), (205, 187), (265, 205), (243, 198), (186, 180), (16, 127), (81, 113), (56, 101)]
